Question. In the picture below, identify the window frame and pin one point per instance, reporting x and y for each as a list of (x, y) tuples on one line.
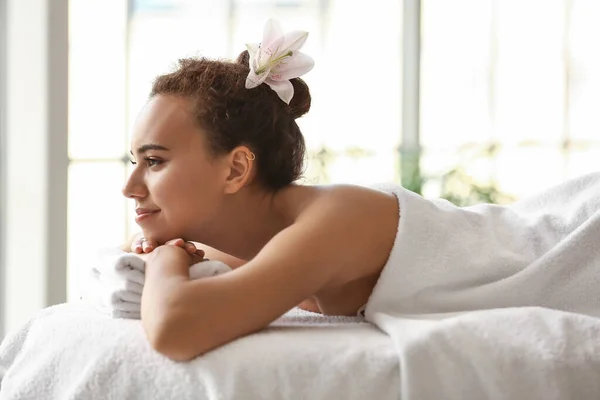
[(35, 198), (3, 143)]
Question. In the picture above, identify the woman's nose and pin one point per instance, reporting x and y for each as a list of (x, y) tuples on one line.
[(132, 188)]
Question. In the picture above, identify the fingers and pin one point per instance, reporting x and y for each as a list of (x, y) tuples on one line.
[(188, 246), (136, 246), (146, 246), (142, 245), (176, 242), (196, 258)]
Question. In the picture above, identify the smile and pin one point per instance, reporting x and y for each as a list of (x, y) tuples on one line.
[(145, 215)]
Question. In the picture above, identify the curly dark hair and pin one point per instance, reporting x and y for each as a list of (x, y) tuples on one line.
[(232, 115)]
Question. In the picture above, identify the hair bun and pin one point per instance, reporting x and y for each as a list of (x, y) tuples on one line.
[(244, 58), (300, 103)]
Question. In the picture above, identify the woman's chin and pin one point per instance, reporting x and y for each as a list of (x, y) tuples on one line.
[(159, 236)]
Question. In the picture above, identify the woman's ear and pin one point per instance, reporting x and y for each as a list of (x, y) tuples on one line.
[(241, 167)]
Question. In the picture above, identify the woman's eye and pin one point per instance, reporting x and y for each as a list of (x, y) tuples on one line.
[(132, 162), (152, 162)]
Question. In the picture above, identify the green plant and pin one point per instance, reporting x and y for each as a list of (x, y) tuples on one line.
[(460, 188)]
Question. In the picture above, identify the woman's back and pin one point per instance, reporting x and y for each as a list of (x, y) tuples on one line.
[(366, 224)]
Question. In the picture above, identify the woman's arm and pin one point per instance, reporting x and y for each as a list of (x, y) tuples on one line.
[(214, 254), (184, 318), (209, 252), (311, 305)]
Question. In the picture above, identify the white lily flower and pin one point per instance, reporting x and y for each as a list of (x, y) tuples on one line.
[(277, 59)]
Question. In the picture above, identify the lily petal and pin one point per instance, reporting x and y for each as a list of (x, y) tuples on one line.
[(294, 41), (253, 49), (284, 89), (272, 37), (292, 67), (253, 80)]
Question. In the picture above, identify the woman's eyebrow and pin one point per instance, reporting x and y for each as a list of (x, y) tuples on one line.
[(144, 148)]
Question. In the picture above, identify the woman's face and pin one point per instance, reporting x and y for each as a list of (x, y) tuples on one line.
[(176, 184)]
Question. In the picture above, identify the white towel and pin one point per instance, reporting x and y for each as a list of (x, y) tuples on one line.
[(68, 352), (542, 251), (109, 296), (122, 265), (524, 353), (115, 284), (2, 373), (447, 261), (205, 269)]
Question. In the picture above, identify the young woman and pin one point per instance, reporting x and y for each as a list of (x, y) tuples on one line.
[(217, 155), (216, 165)]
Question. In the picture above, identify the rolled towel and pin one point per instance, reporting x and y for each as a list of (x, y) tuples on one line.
[(102, 296), (118, 290), (115, 284), (128, 266), (205, 269)]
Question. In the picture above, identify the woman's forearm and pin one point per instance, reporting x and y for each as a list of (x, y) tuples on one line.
[(167, 270), (184, 318), (214, 254)]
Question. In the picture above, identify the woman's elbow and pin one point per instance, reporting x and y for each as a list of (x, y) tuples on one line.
[(175, 354), (165, 337)]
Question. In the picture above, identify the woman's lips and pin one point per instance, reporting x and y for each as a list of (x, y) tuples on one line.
[(145, 215)]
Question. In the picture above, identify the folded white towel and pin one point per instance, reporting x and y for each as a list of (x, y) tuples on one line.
[(118, 290), (115, 283), (207, 268), (124, 289), (127, 266), (110, 296)]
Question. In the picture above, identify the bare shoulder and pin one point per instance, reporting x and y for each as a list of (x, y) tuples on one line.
[(349, 198), (361, 225)]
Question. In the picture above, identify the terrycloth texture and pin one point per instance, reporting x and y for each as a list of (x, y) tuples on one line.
[(116, 280), (542, 251), (115, 262), (524, 353), (446, 261), (71, 352), (205, 269)]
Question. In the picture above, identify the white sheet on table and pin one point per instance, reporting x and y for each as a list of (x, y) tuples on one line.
[(71, 351)]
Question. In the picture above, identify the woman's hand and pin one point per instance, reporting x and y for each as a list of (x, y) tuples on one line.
[(196, 255), (141, 245)]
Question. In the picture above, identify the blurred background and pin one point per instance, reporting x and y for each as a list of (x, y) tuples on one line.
[(470, 100)]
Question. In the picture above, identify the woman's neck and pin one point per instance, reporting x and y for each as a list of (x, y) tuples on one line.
[(250, 220)]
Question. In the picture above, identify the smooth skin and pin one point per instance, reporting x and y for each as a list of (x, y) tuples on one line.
[(319, 246)]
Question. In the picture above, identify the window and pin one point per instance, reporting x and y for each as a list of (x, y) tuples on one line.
[(2, 158), (517, 78)]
